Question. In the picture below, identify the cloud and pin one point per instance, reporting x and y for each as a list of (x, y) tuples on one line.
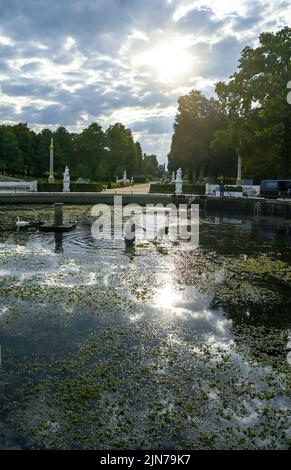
[(154, 126), (71, 62)]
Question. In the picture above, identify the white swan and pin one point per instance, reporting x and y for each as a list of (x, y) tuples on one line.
[(22, 223)]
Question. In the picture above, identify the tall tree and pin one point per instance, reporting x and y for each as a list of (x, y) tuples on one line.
[(138, 158), (89, 151), (122, 150), (92, 153), (255, 100), (197, 120), (41, 160), (150, 165), (26, 140), (223, 162), (63, 148), (11, 158)]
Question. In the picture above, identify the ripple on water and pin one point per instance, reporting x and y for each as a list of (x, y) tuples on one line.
[(87, 321)]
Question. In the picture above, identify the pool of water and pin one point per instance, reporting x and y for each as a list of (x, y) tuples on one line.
[(150, 345)]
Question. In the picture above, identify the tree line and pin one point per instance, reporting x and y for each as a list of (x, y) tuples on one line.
[(92, 154), (250, 118)]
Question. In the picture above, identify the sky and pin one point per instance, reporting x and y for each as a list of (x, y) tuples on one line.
[(72, 62)]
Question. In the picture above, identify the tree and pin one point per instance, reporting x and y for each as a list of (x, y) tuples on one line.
[(223, 160), (26, 144), (122, 150), (11, 157), (197, 120), (258, 112), (89, 151), (92, 154), (150, 165), (63, 149), (138, 158), (40, 166)]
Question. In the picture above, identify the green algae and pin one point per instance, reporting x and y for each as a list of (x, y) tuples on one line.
[(98, 366)]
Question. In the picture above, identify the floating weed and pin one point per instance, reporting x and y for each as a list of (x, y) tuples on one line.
[(90, 363)]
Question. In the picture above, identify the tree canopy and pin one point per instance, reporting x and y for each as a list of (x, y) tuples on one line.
[(251, 118), (197, 120), (256, 102), (93, 153)]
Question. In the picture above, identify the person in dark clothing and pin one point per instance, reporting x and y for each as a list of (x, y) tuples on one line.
[(221, 188)]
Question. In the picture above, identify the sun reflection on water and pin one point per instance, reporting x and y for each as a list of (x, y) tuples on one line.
[(166, 297)]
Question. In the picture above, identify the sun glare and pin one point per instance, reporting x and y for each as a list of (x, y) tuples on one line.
[(169, 62), (166, 297)]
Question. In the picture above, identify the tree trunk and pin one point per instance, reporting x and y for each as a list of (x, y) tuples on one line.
[(284, 158), (201, 173)]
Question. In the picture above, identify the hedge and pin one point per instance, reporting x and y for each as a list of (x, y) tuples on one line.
[(74, 187), (49, 187), (119, 185), (87, 187), (142, 178), (170, 188)]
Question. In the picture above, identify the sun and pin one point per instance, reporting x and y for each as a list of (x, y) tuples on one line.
[(169, 62)]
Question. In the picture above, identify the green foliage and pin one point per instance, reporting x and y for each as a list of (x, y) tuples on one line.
[(170, 188), (92, 154), (150, 165), (11, 157), (50, 187), (259, 118), (119, 185), (122, 149), (41, 157), (197, 120), (224, 156), (75, 187), (89, 152), (142, 178), (252, 118), (87, 187)]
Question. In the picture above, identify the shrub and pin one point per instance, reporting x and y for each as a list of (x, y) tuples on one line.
[(119, 185), (49, 187), (194, 188), (142, 178), (74, 187), (170, 188), (86, 187)]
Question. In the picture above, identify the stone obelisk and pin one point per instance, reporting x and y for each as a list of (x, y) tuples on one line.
[(239, 164), (51, 178)]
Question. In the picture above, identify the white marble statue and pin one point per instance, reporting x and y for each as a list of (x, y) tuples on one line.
[(66, 181), (179, 182), (179, 175), (122, 180)]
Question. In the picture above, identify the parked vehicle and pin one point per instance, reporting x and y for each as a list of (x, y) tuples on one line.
[(249, 192), (275, 188)]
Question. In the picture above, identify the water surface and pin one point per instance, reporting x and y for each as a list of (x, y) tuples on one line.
[(153, 345)]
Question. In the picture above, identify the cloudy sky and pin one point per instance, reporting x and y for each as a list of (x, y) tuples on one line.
[(71, 62)]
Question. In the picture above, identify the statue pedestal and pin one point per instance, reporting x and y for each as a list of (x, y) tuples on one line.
[(178, 189), (66, 181), (51, 179), (66, 187)]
